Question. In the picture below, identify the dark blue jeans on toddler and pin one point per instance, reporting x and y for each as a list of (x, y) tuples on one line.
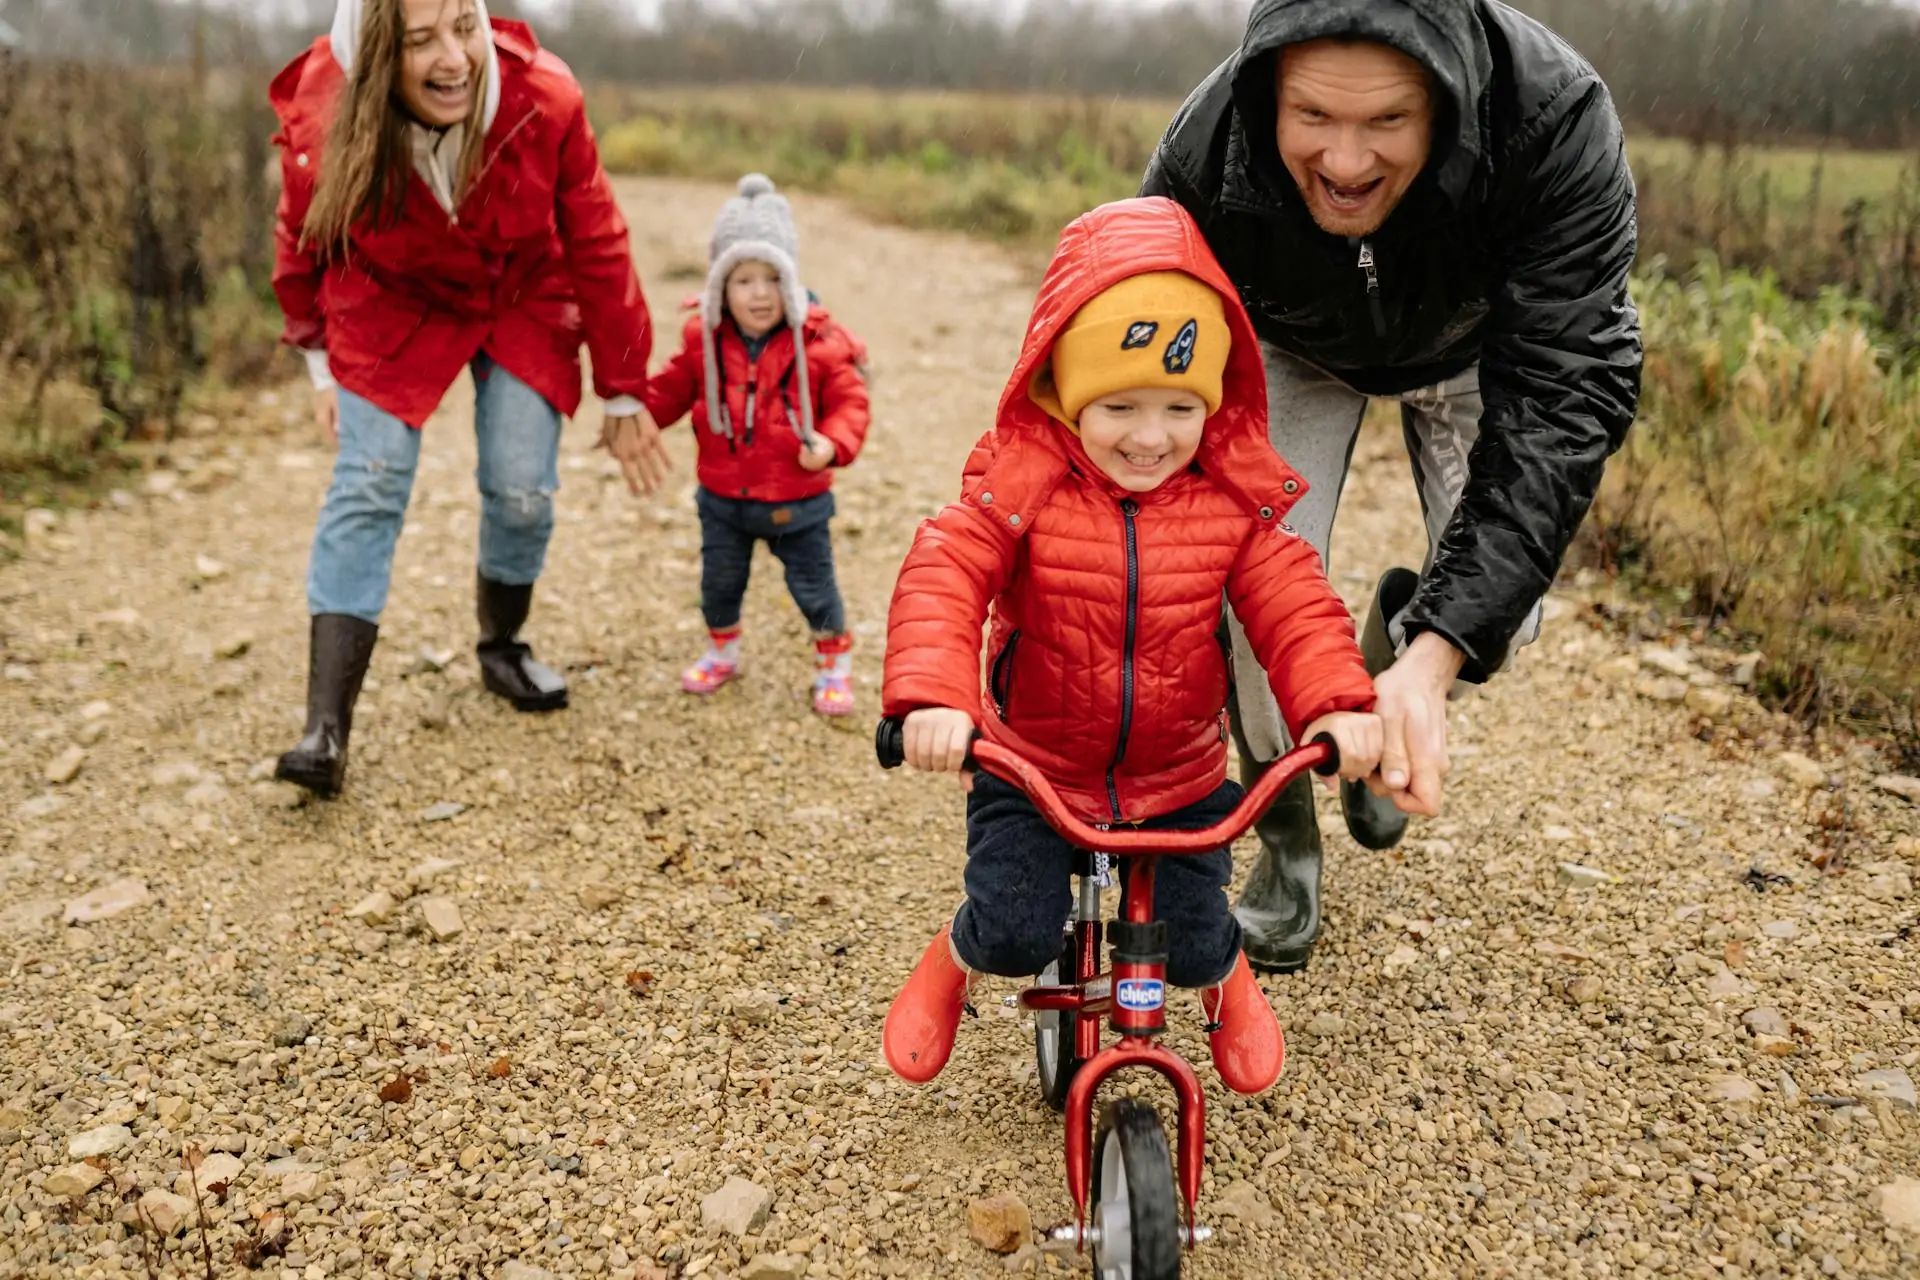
[(799, 536), (1020, 889)]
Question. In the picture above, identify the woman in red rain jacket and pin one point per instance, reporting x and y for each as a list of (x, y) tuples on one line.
[(443, 208), (1126, 488)]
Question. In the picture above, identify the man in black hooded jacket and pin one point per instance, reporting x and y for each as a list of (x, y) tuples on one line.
[(1426, 201)]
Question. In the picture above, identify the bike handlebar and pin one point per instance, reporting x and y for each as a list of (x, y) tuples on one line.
[(1320, 755)]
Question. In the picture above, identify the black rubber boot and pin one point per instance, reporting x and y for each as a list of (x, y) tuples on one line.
[(1279, 910), (338, 650), (1372, 820), (507, 666)]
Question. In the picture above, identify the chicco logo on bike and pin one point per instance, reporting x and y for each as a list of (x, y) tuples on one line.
[(1141, 994)]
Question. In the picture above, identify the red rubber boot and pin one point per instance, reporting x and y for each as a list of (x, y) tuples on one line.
[(918, 1036), (1248, 1049)]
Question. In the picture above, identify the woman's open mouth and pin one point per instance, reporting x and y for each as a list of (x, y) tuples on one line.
[(450, 94)]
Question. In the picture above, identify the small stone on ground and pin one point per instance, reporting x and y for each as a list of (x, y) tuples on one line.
[(105, 1140), (1248, 1203), (739, 1208), (1000, 1223), (442, 917), (1905, 787), (65, 767), (166, 1212), (1801, 771), (108, 901), (73, 1180), (774, 1266)]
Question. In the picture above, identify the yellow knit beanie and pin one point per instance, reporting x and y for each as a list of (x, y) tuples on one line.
[(1162, 329)]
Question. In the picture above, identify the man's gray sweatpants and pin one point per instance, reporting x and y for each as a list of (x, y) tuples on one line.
[(1314, 419)]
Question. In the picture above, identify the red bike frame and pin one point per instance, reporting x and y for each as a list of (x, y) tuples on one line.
[(1094, 995)]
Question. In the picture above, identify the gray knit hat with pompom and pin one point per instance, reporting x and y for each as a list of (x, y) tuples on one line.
[(755, 226)]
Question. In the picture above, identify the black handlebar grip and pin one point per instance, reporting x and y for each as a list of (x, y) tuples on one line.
[(890, 742), (1332, 765)]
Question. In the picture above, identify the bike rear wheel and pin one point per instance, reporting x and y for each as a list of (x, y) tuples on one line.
[(1054, 1034)]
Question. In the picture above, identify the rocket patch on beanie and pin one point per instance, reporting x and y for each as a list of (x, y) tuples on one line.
[(1179, 357), (1162, 329)]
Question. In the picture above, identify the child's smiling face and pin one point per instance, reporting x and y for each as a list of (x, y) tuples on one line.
[(753, 298), (1142, 437)]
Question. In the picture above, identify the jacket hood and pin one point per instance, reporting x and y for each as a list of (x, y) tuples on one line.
[(1129, 238), (1444, 36), (345, 36)]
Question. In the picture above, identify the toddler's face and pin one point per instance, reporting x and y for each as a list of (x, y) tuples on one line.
[(753, 298), (1141, 438)]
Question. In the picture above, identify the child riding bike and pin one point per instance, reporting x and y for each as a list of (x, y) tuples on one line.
[(1126, 491)]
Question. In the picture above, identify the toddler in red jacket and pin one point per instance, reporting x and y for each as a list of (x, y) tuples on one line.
[(1126, 489), (779, 402)]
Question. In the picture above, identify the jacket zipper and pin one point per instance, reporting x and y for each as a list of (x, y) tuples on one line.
[(1128, 510), (1002, 678), (1372, 271), (786, 398), (753, 379), (720, 385)]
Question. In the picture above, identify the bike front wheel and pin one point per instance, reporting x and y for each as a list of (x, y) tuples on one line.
[(1133, 1209)]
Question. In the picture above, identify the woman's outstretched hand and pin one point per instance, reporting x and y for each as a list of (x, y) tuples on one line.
[(635, 443)]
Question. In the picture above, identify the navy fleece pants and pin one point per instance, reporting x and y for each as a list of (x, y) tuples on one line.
[(1020, 889)]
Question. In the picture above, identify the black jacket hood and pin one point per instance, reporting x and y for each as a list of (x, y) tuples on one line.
[(1442, 35)]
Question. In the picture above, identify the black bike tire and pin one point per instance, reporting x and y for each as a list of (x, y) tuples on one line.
[(1055, 1083), (1154, 1209)]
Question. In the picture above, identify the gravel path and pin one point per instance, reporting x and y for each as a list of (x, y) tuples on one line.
[(535, 989)]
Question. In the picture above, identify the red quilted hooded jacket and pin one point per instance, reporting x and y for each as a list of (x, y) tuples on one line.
[(536, 262), (761, 461), (1104, 663)]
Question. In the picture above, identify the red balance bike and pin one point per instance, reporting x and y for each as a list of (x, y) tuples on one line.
[(1121, 1177)]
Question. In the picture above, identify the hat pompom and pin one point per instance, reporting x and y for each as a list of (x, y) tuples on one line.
[(756, 184)]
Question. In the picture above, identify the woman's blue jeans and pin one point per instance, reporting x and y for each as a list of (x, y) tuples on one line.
[(518, 434)]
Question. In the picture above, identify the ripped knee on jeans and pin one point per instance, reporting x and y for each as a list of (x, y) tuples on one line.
[(521, 508)]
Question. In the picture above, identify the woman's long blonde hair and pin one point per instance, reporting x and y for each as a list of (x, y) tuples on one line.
[(368, 157)]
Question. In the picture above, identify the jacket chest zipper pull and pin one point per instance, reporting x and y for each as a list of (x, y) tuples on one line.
[(1372, 271), (751, 393)]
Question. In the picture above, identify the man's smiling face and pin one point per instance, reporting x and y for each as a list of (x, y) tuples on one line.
[(1354, 128)]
